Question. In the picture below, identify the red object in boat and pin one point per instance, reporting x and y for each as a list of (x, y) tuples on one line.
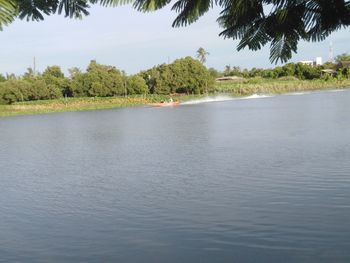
[(165, 104)]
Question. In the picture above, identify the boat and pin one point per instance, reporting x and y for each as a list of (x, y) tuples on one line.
[(165, 104)]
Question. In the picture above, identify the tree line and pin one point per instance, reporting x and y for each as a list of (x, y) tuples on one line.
[(341, 68), (185, 75)]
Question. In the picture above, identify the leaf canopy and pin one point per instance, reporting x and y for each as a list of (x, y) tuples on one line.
[(256, 23)]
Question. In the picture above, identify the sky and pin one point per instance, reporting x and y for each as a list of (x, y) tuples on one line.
[(134, 41)]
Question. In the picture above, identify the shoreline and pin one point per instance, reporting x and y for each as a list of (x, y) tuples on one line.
[(233, 89)]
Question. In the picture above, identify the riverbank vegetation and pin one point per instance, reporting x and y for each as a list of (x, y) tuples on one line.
[(103, 86)]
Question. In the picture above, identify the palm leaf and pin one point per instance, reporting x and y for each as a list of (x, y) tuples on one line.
[(8, 12), (189, 11), (150, 5)]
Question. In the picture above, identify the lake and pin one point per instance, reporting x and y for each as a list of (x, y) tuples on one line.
[(248, 180)]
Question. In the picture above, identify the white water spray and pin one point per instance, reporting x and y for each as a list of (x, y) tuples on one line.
[(208, 99), (256, 96), (223, 98)]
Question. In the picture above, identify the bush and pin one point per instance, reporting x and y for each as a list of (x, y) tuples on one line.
[(14, 90), (136, 85), (185, 75), (98, 81)]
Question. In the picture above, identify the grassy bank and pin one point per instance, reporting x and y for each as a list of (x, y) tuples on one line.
[(81, 104), (234, 88), (278, 86)]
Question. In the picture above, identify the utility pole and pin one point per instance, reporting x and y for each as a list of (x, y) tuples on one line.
[(34, 67), (331, 58), (125, 89)]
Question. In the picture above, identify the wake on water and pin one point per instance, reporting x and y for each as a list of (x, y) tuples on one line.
[(223, 98), (311, 92), (208, 99), (254, 96)]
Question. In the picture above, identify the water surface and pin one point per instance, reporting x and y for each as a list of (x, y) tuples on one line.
[(257, 180)]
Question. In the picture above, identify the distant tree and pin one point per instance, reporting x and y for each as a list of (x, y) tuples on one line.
[(278, 72), (329, 65), (77, 86), (236, 71), (98, 81), (270, 73), (53, 71), (136, 85), (54, 78), (288, 70), (227, 70), (255, 72), (29, 73), (185, 75), (73, 71), (2, 78), (11, 76), (343, 57), (190, 76), (202, 55), (38, 89), (14, 90), (214, 72)]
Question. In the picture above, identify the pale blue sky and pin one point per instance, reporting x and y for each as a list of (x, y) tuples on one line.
[(134, 41)]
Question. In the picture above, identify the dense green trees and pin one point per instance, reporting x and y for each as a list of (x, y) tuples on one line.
[(27, 89), (33, 87), (99, 80), (136, 85), (280, 23), (185, 75), (298, 70), (343, 57)]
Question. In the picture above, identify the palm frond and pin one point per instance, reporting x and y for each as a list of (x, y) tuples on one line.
[(112, 3), (189, 11), (150, 5), (8, 12), (282, 47)]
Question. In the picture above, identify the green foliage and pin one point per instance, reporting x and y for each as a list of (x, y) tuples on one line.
[(186, 75), (214, 73), (14, 90), (53, 71), (202, 55), (54, 77), (2, 78), (190, 76), (27, 88), (8, 12), (98, 81), (343, 57), (328, 65), (136, 85), (345, 72), (284, 24), (234, 71)]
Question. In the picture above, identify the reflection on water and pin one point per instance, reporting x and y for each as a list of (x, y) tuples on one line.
[(236, 181)]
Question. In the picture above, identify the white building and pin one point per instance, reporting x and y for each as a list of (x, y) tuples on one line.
[(307, 62), (316, 62)]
